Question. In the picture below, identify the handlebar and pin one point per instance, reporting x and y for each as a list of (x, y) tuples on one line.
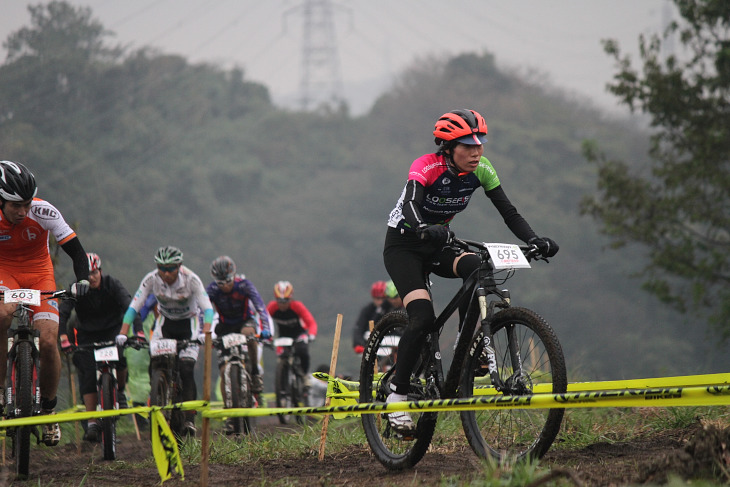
[(61, 293), (134, 342), (531, 251)]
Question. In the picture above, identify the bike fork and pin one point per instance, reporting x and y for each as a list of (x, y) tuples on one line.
[(486, 310)]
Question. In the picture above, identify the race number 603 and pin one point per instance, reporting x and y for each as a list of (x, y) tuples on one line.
[(23, 296)]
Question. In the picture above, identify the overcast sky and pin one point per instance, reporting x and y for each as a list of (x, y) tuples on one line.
[(376, 39)]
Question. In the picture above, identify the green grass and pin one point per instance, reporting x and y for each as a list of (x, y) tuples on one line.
[(581, 428)]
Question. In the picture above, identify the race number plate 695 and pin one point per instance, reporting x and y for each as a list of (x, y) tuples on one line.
[(23, 296), (507, 256)]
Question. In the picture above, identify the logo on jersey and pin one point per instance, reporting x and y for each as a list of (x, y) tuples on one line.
[(45, 213), (460, 200), (5, 237), (431, 166), (30, 234)]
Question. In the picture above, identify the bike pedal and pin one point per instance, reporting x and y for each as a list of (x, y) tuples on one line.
[(406, 436)]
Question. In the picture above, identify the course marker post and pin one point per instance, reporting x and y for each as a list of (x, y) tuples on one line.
[(333, 367), (205, 435)]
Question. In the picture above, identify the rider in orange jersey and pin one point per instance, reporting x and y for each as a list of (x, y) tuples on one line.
[(25, 263)]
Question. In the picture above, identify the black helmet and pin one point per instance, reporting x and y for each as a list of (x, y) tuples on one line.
[(223, 268), (17, 183)]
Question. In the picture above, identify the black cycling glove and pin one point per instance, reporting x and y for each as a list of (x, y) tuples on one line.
[(435, 233), (546, 246), (80, 288)]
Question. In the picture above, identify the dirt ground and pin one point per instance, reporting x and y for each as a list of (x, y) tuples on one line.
[(689, 452)]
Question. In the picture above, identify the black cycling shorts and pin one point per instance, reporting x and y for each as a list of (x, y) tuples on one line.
[(408, 259)]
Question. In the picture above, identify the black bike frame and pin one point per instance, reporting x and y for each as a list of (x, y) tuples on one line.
[(480, 284)]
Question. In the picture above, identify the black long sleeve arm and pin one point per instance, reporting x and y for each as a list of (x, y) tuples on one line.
[(511, 216), (80, 262)]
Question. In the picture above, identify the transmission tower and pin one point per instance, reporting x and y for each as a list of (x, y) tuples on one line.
[(321, 82)]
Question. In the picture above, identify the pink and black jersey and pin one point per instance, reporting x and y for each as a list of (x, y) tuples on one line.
[(446, 193)]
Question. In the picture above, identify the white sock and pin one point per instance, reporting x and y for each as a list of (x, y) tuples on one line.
[(395, 397)]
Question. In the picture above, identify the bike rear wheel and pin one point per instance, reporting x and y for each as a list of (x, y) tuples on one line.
[(108, 425), (390, 448), (24, 388), (514, 434)]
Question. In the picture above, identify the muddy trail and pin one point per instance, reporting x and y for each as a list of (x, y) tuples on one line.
[(693, 452)]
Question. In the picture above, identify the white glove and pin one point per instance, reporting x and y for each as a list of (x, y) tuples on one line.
[(121, 340), (311, 338)]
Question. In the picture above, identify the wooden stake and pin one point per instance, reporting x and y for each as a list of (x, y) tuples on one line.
[(72, 385), (134, 416), (205, 440), (333, 367)]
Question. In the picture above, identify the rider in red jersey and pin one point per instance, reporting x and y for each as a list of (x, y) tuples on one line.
[(293, 320)]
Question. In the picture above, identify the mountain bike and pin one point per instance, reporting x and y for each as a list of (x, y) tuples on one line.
[(499, 350), (289, 381), (236, 380), (107, 356), (22, 387), (165, 379)]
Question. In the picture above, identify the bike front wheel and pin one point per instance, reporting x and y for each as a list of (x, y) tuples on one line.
[(284, 398), (24, 387), (108, 425), (239, 387), (390, 448), (530, 360)]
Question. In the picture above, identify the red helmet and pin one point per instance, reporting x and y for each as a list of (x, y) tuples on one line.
[(462, 126), (378, 289), (94, 261), (283, 290)]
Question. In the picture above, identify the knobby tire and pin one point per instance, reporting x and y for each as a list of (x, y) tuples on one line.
[(284, 397), (241, 397), (514, 434), (24, 389), (160, 391), (109, 424), (394, 452), (297, 391)]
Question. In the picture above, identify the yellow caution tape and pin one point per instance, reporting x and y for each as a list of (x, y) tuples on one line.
[(715, 395), (698, 390), (164, 448)]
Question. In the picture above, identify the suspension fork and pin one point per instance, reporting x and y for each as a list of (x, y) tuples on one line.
[(514, 353), (486, 311)]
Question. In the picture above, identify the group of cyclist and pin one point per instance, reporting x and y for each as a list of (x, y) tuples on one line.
[(184, 307), (231, 303), (439, 185)]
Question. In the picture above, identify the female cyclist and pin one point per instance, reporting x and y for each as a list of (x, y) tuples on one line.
[(439, 186)]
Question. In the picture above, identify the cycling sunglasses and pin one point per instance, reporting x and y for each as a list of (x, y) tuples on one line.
[(223, 282), (167, 268)]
